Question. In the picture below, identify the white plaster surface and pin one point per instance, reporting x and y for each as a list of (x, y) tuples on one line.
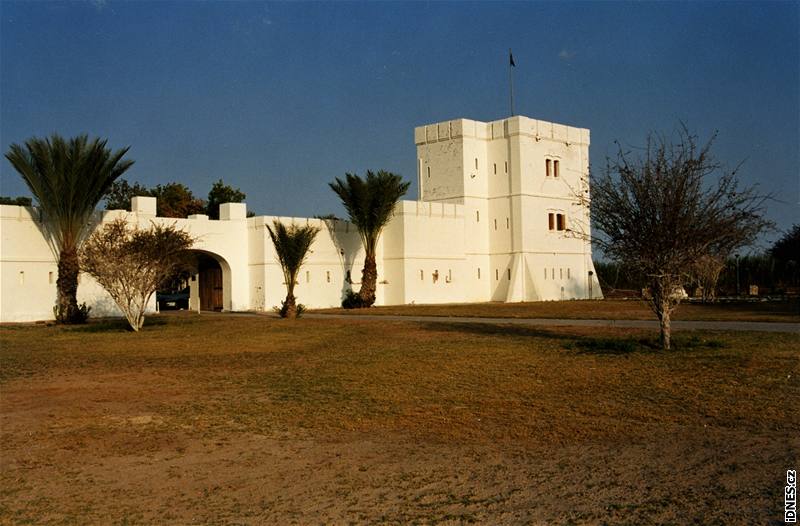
[(479, 232)]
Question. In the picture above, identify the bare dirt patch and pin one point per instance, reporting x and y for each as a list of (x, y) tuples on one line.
[(214, 419)]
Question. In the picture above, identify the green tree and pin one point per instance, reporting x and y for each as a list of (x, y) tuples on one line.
[(176, 200), (370, 203), (18, 201), (121, 192), (68, 178), (222, 193), (292, 246)]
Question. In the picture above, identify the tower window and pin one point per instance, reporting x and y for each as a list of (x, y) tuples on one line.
[(496, 274), (328, 276), (495, 168), (551, 221), (508, 224), (553, 273), (495, 224), (421, 275), (476, 163), (545, 273), (555, 168), (429, 172), (560, 273), (561, 222), (548, 167), (477, 216), (506, 166), (568, 277), (509, 273), (479, 272)]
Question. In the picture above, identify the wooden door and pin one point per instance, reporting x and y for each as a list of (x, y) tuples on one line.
[(211, 288)]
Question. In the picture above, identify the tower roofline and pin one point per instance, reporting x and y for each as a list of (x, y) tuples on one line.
[(502, 128)]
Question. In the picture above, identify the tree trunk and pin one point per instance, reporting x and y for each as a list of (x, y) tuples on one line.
[(67, 287), (369, 279), (290, 307), (666, 334)]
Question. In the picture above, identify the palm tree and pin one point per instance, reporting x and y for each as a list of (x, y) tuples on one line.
[(370, 203), (292, 246), (68, 179)]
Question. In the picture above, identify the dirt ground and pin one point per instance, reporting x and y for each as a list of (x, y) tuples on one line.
[(223, 420)]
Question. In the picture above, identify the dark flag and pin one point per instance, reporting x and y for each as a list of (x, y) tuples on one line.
[(511, 59)]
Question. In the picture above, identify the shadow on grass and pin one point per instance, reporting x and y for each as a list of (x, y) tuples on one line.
[(623, 345), (116, 325)]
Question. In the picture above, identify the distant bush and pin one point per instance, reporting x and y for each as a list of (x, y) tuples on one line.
[(283, 310), (352, 300)]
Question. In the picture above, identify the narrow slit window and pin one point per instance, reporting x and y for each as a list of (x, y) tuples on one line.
[(506, 165), (560, 273), (551, 221), (479, 272), (495, 168), (568, 276), (545, 273), (449, 275), (495, 224), (508, 223), (50, 277), (555, 168), (429, 172), (328, 276), (496, 274), (422, 275), (508, 270), (547, 167), (476, 163), (21, 277), (477, 216), (553, 273)]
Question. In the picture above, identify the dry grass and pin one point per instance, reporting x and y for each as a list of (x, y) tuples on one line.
[(777, 311), (223, 419)]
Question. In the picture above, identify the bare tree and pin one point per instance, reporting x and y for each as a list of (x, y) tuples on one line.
[(132, 263), (662, 210), (705, 273)]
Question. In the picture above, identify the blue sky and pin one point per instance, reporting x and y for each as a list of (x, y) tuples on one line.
[(280, 98)]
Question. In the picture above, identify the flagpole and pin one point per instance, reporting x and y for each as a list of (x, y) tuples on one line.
[(511, 79)]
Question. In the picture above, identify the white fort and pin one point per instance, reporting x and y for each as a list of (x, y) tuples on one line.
[(501, 216)]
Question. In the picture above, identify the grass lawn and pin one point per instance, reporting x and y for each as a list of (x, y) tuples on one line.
[(251, 420), (780, 311)]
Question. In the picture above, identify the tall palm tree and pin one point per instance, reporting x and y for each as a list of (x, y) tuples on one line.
[(370, 203), (68, 178), (292, 246)]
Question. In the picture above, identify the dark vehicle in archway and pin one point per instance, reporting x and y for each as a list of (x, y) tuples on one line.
[(173, 300)]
